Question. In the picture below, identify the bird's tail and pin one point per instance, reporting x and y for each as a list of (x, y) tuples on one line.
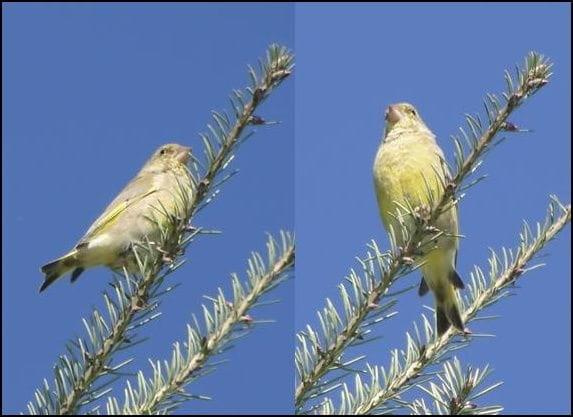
[(447, 309), (448, 314), (57, 268)]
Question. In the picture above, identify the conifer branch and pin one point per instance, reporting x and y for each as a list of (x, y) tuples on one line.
[(224, 136), (319, 353), (134, 299), (224, 322), (456, 392), (407, 366)]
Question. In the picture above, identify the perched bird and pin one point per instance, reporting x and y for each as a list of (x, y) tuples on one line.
[(132, 216), (410, 171)]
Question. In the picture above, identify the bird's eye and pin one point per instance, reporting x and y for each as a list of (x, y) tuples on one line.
[(412, 112), (163, 151)]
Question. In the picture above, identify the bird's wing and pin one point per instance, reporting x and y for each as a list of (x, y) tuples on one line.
[(423, 289), (137, 189)]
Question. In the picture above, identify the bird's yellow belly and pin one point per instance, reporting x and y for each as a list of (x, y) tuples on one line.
[(406, 176)]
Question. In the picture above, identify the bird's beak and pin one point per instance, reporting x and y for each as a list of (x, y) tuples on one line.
[(392, 114), (184, 154)]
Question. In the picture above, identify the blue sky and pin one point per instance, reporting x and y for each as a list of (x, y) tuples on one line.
[(354, 60), (89, 91)]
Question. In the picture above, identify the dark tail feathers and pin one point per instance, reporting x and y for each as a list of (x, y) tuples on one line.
[(52, 271), (446, 316), (59, 267)]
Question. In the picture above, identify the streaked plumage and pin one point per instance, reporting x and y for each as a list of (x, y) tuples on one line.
[(127, 218), (409, 166)]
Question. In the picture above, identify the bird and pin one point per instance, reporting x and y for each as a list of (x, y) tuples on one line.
[(410, 171), (131, 217)]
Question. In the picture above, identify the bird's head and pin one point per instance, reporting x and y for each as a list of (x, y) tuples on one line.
[(173, 151), (168, 156), (403, 116)]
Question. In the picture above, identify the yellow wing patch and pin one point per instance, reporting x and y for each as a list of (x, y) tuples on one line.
[(112, 215)]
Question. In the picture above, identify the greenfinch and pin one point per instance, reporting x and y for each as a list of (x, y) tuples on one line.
[(410, 171), (132, 216)]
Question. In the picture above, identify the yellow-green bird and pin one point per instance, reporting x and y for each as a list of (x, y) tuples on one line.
[(131, 217), (409, 166)]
